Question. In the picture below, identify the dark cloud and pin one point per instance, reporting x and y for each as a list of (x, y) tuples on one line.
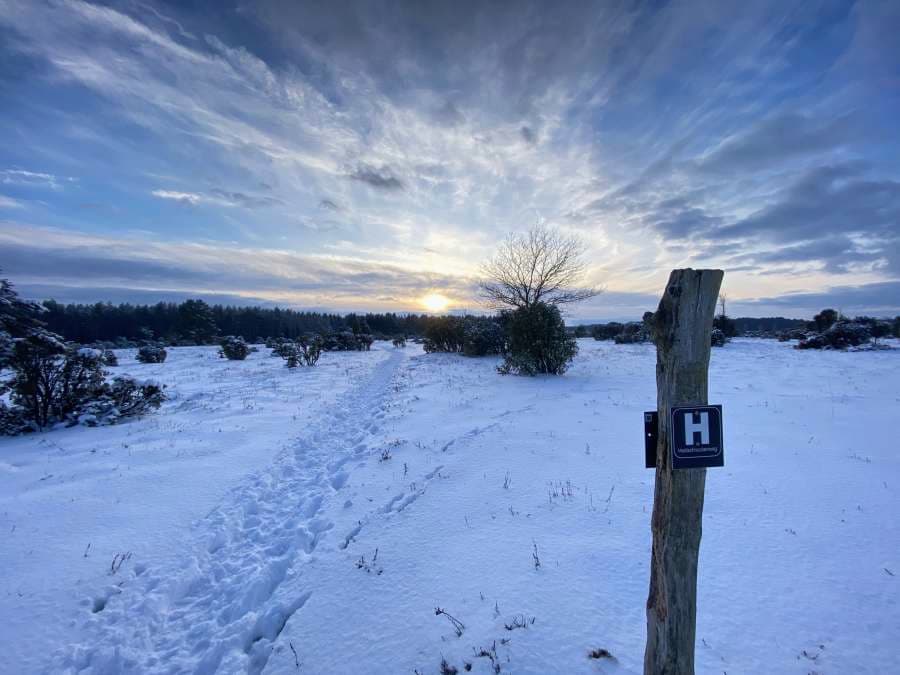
[(839, 253), (820, 210), (882, 298), (678, 219), (381, 178)]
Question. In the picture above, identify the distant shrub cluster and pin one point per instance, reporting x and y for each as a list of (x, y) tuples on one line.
[(468, 335), (152, 354), (233, 348), (830, 330), (839, 335), (347, 341)]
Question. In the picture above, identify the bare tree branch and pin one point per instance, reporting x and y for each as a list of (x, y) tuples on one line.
[(541, 265)]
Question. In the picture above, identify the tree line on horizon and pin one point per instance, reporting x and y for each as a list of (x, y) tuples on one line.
[(196, 322)]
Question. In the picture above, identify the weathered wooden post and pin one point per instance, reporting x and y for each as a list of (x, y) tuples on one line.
[(681, 331)]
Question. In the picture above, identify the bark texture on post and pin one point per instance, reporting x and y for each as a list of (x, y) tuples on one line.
[(681, 329)]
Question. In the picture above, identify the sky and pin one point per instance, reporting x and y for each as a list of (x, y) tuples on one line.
[(365, 155)]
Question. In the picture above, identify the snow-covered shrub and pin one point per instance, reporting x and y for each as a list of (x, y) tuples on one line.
[(290, 352), (52, 382), (839, 335), (717, 338), (305, 350), (108, 358), (607, 331), (233, 348), (311, 347), (444, 334), (538, 342), (6, 348), (121, 398), (633, 332), (726, 325), (470, 335), (794, 334), (346, 341), (152, 354), (483, 336), (399, 341), (12, 420)]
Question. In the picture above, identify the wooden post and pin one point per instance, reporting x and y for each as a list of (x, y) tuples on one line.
[(681, 331)]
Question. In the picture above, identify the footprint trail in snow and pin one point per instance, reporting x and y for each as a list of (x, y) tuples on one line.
[(224, 609)]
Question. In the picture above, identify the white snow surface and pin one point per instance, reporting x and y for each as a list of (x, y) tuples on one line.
[(311, 521)]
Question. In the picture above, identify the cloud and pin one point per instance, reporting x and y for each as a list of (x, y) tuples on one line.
[(664, 132), (880, 298), (775, 140), (381, 178), (10, 203), (33, 178), (219, 198), (191, 198), (44, 256)]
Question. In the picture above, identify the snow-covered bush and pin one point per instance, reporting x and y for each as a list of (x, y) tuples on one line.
[(633, 332), (108, 358), (54, 383), (6, 348), (305, 350), (470, 335), (311, 347), (346, 341), (483, 336), (607, 331), (444, 334), (12, 420), (717, 338), (121, 398), (793, 334), (725, 324), (152, 354), (538, 342), (233, 348), (840, 335)]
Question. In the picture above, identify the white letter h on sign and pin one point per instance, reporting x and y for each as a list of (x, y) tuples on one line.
[(691, 428)]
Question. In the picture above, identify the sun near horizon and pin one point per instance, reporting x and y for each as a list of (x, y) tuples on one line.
[(435, 302)]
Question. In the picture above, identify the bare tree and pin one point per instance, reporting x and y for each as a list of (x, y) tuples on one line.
[(541, 265)]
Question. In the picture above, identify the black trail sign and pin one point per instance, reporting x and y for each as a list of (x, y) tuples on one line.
[(696, 437)]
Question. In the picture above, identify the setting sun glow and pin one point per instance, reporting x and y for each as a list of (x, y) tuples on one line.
[(435, 302)]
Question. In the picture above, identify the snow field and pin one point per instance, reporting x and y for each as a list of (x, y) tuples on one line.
[(410, 482)]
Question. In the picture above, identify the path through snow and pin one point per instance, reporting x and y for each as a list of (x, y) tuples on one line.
[(228, 604)]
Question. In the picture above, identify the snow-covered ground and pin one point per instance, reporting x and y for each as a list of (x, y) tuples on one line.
[(313, 521)]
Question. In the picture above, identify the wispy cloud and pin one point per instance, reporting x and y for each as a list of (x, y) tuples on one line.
[(10, 203), (687, 133)]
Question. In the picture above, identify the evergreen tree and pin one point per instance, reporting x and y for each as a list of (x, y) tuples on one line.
[(196, 322)]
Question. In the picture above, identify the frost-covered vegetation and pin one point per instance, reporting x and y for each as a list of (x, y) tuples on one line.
[(233, 348), (52, 382)]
